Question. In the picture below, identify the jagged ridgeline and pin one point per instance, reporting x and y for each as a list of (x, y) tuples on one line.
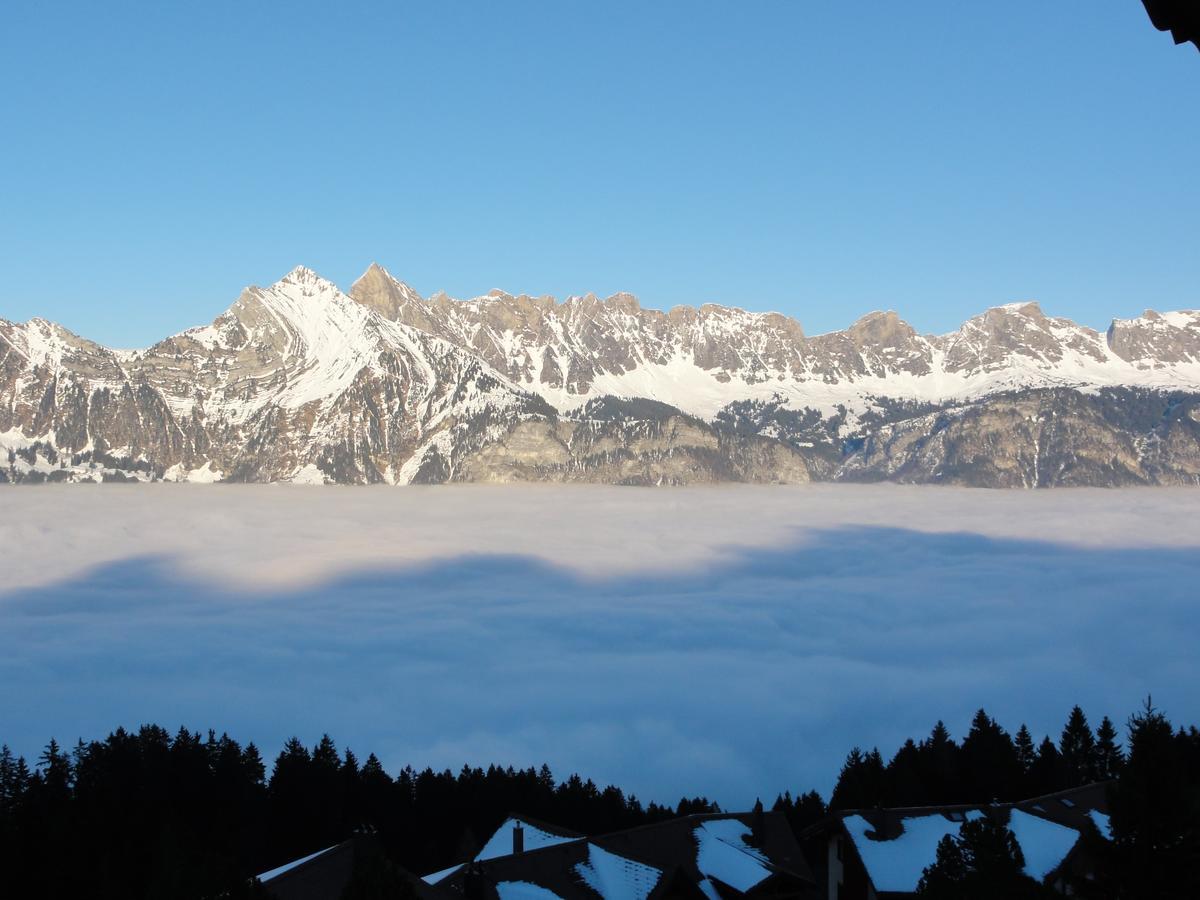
[(303, 382)]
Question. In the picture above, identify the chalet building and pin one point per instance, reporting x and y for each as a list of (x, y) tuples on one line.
[(876, 854), (324, 875), (700, 857), (319, 875), (713, 856)]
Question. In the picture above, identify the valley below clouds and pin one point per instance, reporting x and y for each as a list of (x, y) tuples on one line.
[(732, 641)]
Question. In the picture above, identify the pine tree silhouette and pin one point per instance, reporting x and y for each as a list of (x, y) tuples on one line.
[(1026, 754), (1077, 747), (1109, 756)]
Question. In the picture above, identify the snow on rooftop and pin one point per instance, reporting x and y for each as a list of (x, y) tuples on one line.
[(1044, 843), (524, 890), (614, 877), (723, 853), (897, 865), (287, 867), (441, 875), (501, 843), (1101, 821)]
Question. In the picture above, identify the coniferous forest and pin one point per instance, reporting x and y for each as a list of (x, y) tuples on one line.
[(155, 814)]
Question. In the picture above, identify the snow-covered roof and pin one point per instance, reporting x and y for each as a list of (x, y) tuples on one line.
[(897, 864), (501, 843), (1044, 843), (435, 877), (1101, 821), (524, 890), (615, 877), (712, 851), (287, 867), (723, 852)]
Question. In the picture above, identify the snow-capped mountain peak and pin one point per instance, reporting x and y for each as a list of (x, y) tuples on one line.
[(300, 378)]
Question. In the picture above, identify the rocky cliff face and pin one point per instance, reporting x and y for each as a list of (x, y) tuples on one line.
[(1039, 438), (302, 382)]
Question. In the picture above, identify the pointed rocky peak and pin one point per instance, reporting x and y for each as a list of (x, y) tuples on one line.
[(306, 277), (301, 284), (381, 291)]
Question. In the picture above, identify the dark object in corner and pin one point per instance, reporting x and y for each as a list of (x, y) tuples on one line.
[(1180, 17)]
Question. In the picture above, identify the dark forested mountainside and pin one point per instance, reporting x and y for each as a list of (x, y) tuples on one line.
[(149, 814)]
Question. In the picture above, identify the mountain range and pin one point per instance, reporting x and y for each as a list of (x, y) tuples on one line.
[(302, 382)]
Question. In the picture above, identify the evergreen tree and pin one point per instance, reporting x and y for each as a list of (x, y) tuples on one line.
[(939, 764), (10, 791), (55, 769), (1077, 747), (861, 783), (1154, 813), (989, 764), (805, 810), (984, 862), (148, 813), (1109, 756), (904, 784), (1026, 754), (1046, 775)]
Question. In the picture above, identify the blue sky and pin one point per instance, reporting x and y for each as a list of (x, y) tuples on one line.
[(811, 157)]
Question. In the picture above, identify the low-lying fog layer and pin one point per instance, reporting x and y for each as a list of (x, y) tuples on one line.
[(729, 641)]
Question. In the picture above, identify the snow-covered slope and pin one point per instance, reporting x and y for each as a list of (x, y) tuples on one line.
[(701, 360), (299, 381), (295, 382)]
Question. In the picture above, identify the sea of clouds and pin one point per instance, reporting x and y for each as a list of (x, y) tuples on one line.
[(730, 641)]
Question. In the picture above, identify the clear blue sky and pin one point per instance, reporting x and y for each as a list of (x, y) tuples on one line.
[(819, 158)]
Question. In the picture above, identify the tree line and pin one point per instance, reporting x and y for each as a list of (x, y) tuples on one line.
[(152, 814), (1151, 852), (988, 765)]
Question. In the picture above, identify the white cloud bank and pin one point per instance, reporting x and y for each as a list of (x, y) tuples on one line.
[(271, 535), (733, 641)]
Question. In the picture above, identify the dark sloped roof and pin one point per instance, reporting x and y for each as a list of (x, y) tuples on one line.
[(663, 856), (325, 874), (322, 876), (1071, 807)]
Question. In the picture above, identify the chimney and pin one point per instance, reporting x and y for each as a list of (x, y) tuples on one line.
[(518, 838)]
